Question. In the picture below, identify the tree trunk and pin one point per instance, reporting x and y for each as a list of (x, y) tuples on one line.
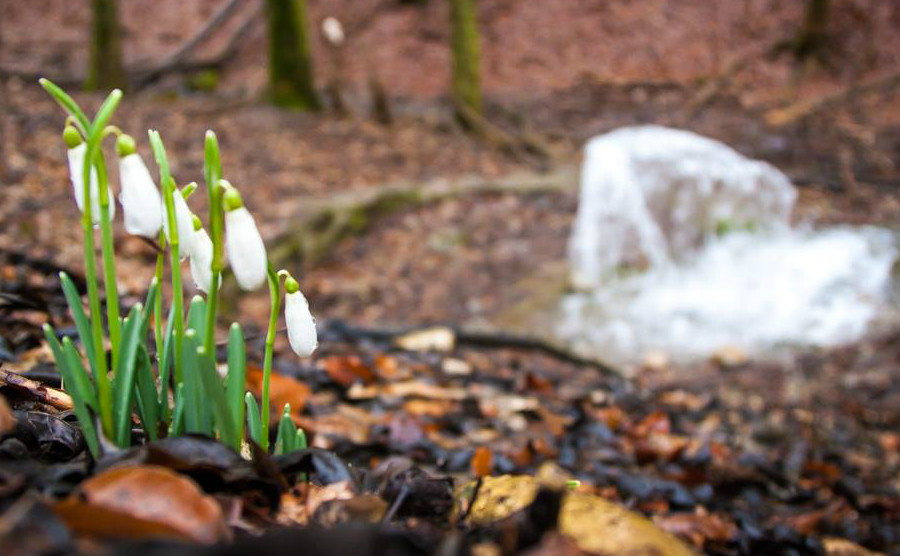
[(812, 36), (106, 70), (290, 56), (466, 54)]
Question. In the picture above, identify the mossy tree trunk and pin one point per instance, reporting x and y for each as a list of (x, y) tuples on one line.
[(106, 70), (291, 80), (812, 36), (466, 54)]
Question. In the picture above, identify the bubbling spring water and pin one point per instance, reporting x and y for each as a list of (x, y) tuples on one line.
[(684, 246)]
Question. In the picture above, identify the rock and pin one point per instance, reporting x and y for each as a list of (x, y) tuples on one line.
[(651, 194)]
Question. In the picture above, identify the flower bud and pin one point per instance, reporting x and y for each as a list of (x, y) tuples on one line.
[(244, 246), (201, 260), (140, 198), (76, 175), (184, 224), (301, 326)]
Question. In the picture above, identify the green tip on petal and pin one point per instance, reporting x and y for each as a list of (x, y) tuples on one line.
[(197, 223), (291, 285), (125, 145), (232, 199), (71, 136)]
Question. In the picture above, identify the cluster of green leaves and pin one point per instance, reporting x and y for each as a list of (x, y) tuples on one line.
[(184, 391)]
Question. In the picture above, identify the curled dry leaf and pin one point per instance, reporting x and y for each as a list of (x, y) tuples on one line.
[(51, 396), (139, 502)]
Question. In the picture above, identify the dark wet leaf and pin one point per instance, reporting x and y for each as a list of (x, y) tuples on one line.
[(417, 494), (322, 466), (47, 436)]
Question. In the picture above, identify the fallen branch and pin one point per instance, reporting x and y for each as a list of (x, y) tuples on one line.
[(178, 64), (320, 224), (494, 134), (186, 47), (804, 109), (481, 339)]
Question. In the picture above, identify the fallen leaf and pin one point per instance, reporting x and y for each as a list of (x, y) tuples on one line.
[(139, 502), (482, 461), (430, 339), (596, 525), (7, 419), (282, 390), (843, 547), (698, 527), (347, 370)]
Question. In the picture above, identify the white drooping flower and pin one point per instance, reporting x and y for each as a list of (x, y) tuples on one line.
[(76, 169), (243, 243), (301, 326), (140, 198), (201, 260), (333, 31), (184, 223)]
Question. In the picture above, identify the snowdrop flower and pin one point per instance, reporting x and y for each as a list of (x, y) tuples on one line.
[(301, 326), (201, 257), (184, 223), (333, 31), (139, 196), (243, 244), (76, 151)]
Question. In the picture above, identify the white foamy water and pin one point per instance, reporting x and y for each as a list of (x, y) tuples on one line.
[(649, 200)]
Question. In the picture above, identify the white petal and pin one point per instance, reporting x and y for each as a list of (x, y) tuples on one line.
[(183, 222), (301, 326), (140, 198), (201, 260), (76, 168), (245, 248)]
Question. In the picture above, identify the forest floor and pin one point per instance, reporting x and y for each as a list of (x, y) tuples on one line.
[(736, 457)]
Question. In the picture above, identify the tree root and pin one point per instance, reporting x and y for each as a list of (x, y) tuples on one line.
[(481, 339), (802, 110), (322, 223)]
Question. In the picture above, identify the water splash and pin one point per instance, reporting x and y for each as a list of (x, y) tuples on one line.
[(680, 208)]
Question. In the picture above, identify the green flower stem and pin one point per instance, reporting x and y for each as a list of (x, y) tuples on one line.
[(168, 188), (158, 327), (212, 170), (109, 258), (177, 295), (275, 299), (104, 391)]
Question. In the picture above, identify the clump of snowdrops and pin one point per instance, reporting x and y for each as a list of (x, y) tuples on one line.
[(168, 375)]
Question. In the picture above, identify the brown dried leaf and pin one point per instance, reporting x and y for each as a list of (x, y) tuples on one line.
[(282, 389), (482, 461), (7, 419), (347, 370), (698, 528), (138, 502)]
